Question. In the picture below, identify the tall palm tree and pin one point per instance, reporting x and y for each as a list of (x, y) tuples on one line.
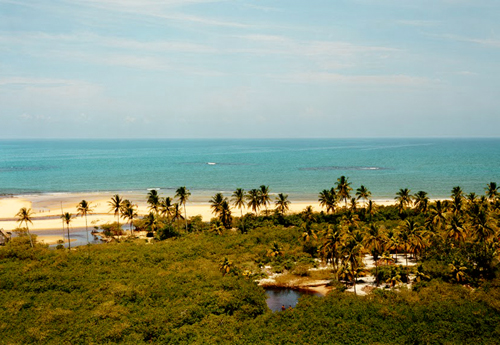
[(216, 203), (84, 209), (254, 201), (116, 204), (404, 199), (330, 248), (343, 188), (352, 250), (25, 215), (282, 203), (411, 236), (374, 241), (182, 193), (265, 198), (129, 212), (492, 191), (67, 217), (153, 201), (421, 201), (238, 199), (176, 212)]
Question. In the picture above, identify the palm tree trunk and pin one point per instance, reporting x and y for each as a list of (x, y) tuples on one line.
[(242, 221), (87, 229), (355, 284), (69, 239), (185, 217), (29, 234)]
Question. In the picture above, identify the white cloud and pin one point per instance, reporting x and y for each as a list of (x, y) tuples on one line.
[(488, 42), (335, 78), (419, 23)]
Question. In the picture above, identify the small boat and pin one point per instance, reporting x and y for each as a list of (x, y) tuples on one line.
[(211, 163)]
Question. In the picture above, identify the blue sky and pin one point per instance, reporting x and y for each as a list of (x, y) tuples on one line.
[(242, 68)]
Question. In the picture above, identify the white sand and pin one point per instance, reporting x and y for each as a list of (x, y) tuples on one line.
[(47, 209)]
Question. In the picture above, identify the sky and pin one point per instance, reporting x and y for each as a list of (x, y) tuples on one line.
[(249, 68)]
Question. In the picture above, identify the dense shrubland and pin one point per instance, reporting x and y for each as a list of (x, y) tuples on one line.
[(194, 283)]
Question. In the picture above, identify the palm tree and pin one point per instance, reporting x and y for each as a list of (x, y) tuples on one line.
[(330, 248), (152, 221), (153, 200), (275, 250), (352, 250), (437, 215), (363, 193), (343, 188), (225, 214), (328, 199), (225, 266), (84, 209), (371, 208), (182, 193), (238, 199), (254, 200), (116, 204), (411, 237), (483, 225), (66, 217), (455, 227), (354, 205), (129, 212), (165, 206), (492, 191), (265, 198), (421, 201), (216, 203), (282, 203), (25, 215), (308, 232), (374, 241), (176, 212), (404, 199)]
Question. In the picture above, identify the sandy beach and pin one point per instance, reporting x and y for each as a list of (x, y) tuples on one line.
[(47, 209)]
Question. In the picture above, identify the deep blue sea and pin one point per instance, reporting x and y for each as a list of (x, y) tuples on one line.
[(298, 167)]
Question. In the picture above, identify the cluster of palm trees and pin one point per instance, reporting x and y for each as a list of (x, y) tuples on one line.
[(330, 198), (159, 207), (464, 220), (255, 199)]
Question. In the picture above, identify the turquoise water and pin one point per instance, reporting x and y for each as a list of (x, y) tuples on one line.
[(298, 167)]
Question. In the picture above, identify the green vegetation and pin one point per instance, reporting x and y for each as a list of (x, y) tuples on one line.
[(195, 284)]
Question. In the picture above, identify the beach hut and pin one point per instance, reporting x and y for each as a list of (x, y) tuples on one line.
[(4, 237)]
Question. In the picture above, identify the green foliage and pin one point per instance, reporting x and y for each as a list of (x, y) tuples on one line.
[(166, 232)]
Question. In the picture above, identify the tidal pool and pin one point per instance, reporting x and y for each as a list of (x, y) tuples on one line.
[(278, 297)]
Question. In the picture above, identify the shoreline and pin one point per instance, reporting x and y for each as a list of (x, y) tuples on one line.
[(47, 208)]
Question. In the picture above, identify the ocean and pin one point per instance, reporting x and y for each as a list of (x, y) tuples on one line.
[(298, 167)]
